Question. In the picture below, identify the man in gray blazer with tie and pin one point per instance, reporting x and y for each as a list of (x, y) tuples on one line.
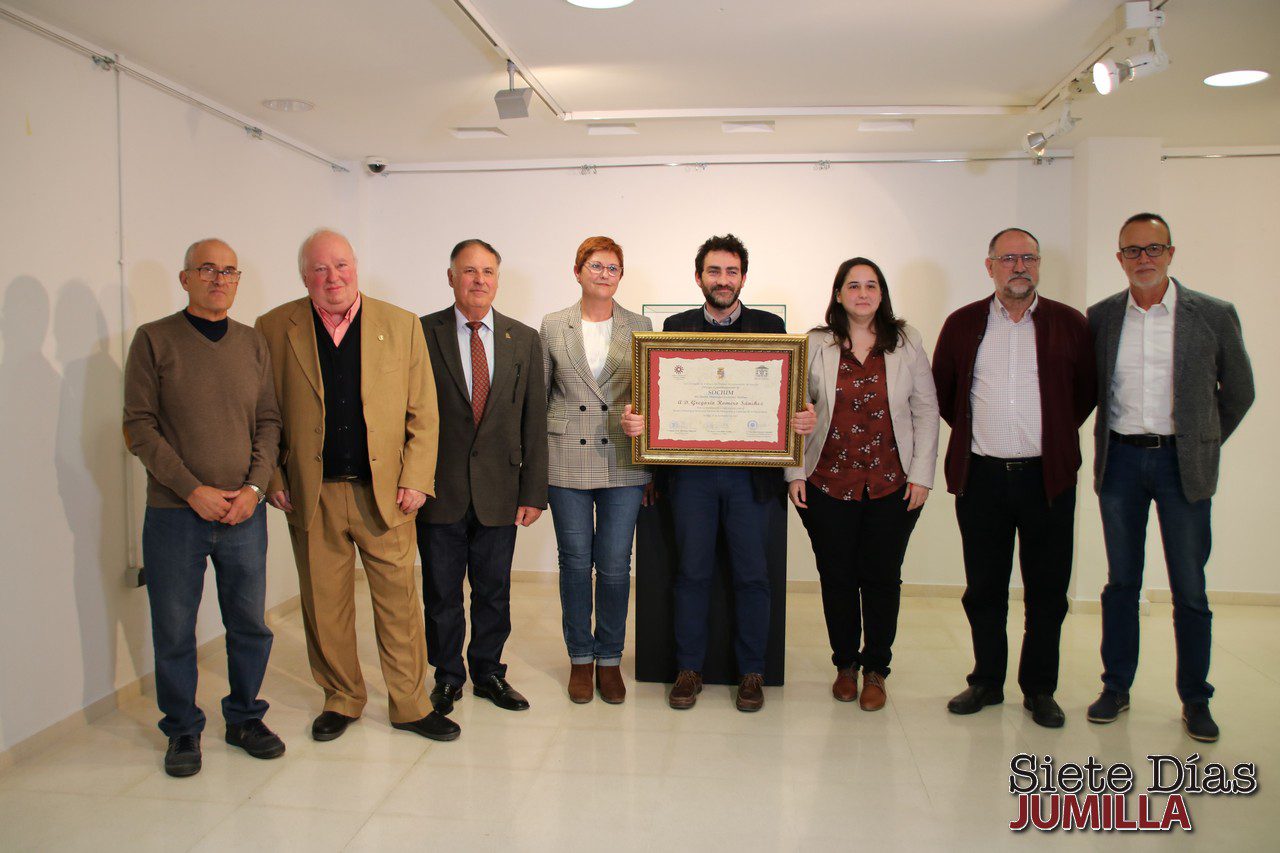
[(1174, 381), (491, 476)]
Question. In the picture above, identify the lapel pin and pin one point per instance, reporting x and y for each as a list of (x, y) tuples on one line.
[(381, 337), (507, 335)]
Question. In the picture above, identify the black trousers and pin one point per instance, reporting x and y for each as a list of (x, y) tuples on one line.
[(997, 502), (450, 552), (859, 546)]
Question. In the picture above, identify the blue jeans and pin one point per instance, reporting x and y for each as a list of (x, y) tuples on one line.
[(595, 527), (1136, 476), (176, 546), (705, 500)]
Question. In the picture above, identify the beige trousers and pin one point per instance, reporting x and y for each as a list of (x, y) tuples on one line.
[(347, 519)]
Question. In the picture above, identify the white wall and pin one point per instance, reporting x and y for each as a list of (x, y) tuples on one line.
[(72, 629), (926, 224)]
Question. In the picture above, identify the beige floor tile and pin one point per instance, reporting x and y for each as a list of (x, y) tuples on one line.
[(276, 829), (386, 833), (351, 786)]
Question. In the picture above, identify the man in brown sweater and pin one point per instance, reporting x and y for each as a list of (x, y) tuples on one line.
[(200, 412)]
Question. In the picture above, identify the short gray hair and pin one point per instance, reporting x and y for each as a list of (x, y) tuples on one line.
[(311, 238), (191, 250)]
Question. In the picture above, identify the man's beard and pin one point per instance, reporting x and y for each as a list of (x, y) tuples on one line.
[(720, 299)]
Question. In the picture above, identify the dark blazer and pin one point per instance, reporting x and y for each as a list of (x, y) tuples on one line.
[(1068, 387), (1212, 382), (503, 464), (766, 483)]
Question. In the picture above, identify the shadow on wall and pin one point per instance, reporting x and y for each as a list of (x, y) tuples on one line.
[(90, 475), (28, 416)]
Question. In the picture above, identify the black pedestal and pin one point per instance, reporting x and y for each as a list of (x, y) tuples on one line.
[(655, 642)]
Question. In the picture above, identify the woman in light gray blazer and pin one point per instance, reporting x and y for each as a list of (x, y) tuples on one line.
[(595, 490), (868, 469)]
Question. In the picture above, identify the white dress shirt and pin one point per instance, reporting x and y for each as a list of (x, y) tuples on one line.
[(464, 343), (596, 337), (1005, 396), (1141, 395)]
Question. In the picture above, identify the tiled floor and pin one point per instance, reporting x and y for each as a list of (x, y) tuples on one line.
[(805, 773)]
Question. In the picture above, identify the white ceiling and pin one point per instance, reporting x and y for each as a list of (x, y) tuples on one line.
[(390, 77)]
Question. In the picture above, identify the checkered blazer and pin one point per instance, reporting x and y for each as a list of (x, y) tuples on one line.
[(584, 417)]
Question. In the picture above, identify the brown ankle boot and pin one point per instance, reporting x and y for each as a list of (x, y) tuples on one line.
[(580, 688), (609, 681), (873, 693), (845, 688)]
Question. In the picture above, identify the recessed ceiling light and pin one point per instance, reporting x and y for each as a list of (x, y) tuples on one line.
[(601, 4), (288, 105), (612, 130), (477, 133), (746, 126), (1236, 78), (899, 125)]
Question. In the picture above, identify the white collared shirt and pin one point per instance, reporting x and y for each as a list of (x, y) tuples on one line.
[(464, 343), (1141, 396), (1005, 395)]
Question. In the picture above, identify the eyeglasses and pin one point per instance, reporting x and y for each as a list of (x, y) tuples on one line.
[(211, 274), (1155, 250), (1012, 260), (596, 267)]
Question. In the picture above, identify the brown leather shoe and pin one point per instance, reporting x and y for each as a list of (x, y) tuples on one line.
[(845, 688), (873, 694), (751, 692), (580, 688), (686, 689), (609, 682)]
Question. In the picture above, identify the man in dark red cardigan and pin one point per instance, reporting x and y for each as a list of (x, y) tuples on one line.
[(1016, 379)]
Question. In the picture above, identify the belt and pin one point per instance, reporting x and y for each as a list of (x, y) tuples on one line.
[(1148, 441), (1008, 464), (344, 478)]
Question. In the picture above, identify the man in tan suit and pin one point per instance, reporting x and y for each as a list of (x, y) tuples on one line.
[(357, 460)]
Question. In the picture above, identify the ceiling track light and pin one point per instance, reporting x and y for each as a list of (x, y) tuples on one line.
[(512, 102), (1037, 141), (1110, 73)]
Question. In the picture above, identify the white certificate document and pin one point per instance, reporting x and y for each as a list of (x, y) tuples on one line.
[(719, 399)]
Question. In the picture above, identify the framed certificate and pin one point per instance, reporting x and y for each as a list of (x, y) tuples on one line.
[(718, 398)]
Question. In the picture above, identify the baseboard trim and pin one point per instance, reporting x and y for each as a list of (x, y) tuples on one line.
[(145, 685)]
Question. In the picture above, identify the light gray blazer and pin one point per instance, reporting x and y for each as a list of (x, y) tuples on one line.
[(1212, 382), (913, 404), (584, 417)]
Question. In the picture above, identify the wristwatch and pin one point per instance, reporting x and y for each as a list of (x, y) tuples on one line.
[(262, 496)]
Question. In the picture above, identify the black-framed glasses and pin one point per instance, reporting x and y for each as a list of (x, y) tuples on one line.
[(1012, 260), (1155, 250), (596, 267), (210, 273)]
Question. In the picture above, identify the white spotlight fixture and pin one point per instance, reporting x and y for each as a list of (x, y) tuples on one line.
[(512, 102), (601, 4), (1236, 78), (1110, 73), (1037, 141)]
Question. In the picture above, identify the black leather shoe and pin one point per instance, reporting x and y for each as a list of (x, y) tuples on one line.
[(1198, 722), (1044, 710), (330, 725), (975, 698), (255, 738), (496, 690), (1108, 706), (182, 758), (443, 696), (434, 725)]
